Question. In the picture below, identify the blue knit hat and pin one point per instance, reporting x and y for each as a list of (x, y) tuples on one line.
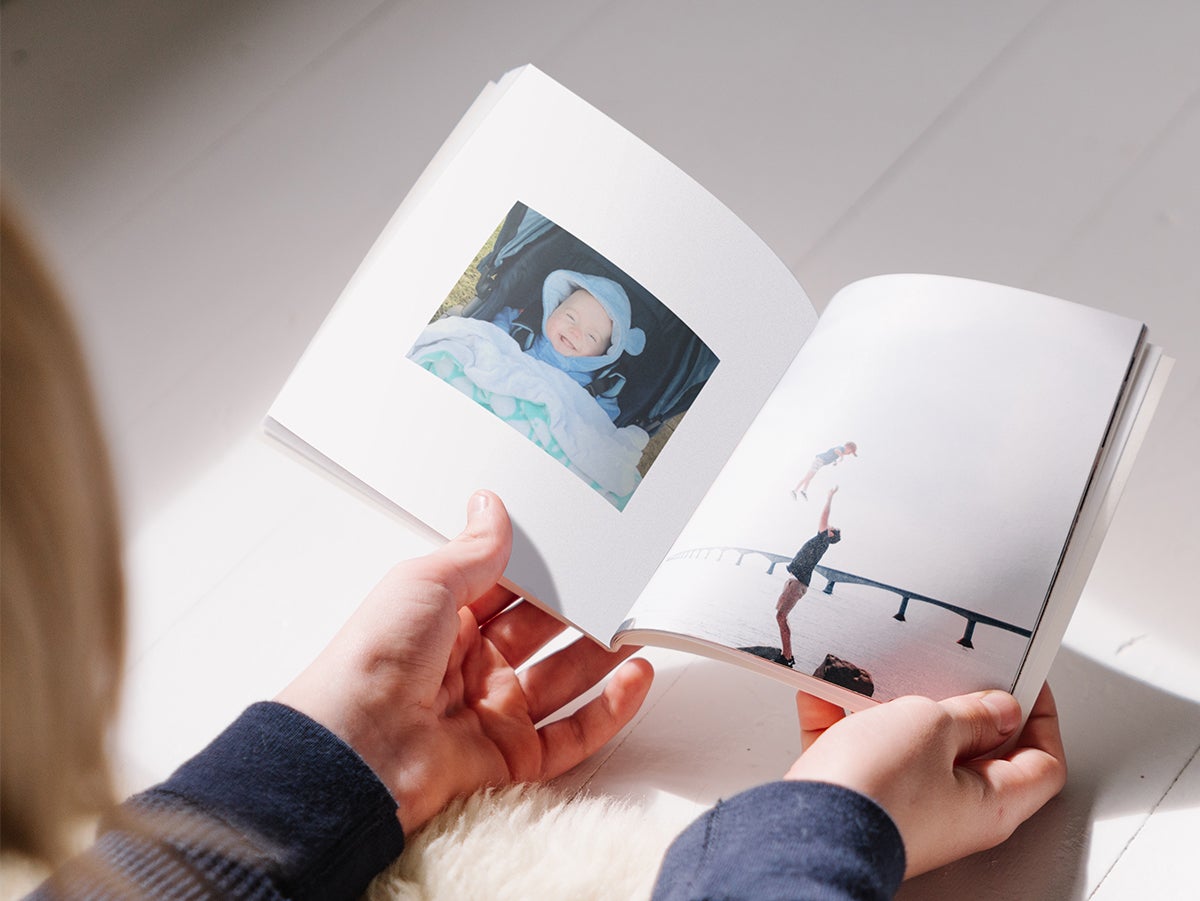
[(562, 283)]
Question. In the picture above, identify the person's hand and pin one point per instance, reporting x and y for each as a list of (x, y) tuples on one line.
[(833, 491), (924, 762), (422, 681)]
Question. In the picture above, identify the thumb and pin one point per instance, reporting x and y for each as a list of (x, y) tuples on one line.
[(461, 570), (982, 722), (472, 562)]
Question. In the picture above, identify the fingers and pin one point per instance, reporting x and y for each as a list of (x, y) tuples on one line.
[(1036, 769), (518, 633), (816, 715), (1042, 730), (568, 741), (491, 603), (1017, 785), (563, 676)]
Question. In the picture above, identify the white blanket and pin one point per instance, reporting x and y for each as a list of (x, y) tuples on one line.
[(486, 364)]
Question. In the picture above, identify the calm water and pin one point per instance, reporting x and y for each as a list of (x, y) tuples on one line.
[(735, 606)]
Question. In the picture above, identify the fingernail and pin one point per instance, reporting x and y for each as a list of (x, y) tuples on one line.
[(478, 504), (1005, 711)]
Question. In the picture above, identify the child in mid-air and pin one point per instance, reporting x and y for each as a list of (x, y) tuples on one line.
[(586, 326), (834, 455)]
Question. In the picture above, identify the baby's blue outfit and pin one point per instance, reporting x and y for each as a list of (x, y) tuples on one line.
[(561, 284)]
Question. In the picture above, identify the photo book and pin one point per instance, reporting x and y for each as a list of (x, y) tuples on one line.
[(902, 496)]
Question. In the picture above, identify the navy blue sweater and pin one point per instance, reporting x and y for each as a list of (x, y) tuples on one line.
[(277, 807), (786, 841)]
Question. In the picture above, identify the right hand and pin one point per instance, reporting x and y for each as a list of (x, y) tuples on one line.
[(924, 762), (424, 680)]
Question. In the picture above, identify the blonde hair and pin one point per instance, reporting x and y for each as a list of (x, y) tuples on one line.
[(62, 603)]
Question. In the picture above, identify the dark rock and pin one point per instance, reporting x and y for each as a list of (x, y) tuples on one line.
[(846, 674)]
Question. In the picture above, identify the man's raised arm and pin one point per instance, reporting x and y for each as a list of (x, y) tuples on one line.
[(825, 513)]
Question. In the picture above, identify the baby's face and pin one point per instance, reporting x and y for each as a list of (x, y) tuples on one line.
[(579, 326)]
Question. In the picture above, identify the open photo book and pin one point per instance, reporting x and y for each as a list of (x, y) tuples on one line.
[(904, 496)]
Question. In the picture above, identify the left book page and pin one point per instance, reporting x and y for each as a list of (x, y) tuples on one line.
[(558, 314)]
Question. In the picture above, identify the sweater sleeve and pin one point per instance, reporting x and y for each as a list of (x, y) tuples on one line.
[(786, 840), (276, 807)]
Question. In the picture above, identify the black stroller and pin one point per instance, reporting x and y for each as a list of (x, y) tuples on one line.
[(659, 383)]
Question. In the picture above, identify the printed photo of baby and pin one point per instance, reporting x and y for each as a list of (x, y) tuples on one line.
[(568, 349), (586, 326)]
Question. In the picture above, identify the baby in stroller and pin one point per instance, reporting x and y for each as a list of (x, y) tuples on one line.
[(548, 375), (548, 343), (586, 326)]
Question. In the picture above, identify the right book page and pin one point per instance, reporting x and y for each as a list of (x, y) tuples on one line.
[(958, 425)]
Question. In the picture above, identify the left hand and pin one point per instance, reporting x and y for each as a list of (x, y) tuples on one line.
[(928, 764), (422, 680)]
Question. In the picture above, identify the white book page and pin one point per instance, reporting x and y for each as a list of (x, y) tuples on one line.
[(977, 412), (1144, 387), (360, 408)]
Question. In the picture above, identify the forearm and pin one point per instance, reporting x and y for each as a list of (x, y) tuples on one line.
[(276, 807), (786, 840)]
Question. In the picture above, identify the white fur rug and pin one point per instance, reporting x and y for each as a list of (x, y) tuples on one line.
[(530, 842)]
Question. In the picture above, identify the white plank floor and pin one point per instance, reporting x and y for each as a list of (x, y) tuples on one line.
[(205, 176)]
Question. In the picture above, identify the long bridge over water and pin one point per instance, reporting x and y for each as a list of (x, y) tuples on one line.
[(833, 576)]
